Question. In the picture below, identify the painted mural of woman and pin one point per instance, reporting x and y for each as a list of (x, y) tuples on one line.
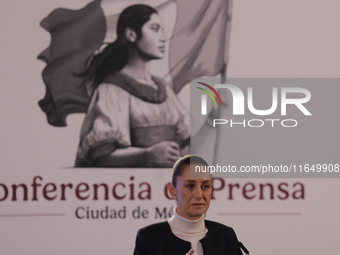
[(134, 119)]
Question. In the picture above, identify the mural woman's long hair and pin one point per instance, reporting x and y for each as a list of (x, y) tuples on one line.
[(115, 56)]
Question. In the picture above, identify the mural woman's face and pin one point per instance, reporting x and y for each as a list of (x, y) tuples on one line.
[(152, 41)]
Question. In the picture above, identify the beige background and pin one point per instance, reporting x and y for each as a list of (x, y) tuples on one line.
[(269, 39)]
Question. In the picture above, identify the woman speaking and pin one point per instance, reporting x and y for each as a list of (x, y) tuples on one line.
[(186, 232)]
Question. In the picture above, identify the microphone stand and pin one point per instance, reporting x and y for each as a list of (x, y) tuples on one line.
[(243, 248)]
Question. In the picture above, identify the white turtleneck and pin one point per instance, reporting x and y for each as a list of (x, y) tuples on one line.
[(189, 230)]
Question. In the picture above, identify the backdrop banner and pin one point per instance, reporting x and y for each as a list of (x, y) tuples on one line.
[(53, 117)]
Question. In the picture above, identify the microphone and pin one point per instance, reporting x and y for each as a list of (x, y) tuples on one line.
[(243, 248)]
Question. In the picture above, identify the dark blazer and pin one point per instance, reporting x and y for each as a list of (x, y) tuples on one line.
[(158, 239)]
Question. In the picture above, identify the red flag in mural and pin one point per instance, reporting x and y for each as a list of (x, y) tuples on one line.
[(197, 48), (75, 35)]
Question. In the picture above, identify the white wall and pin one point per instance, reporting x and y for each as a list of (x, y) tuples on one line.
[(269, 39)]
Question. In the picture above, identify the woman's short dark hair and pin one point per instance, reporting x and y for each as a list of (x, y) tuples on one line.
[(187, 160)]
